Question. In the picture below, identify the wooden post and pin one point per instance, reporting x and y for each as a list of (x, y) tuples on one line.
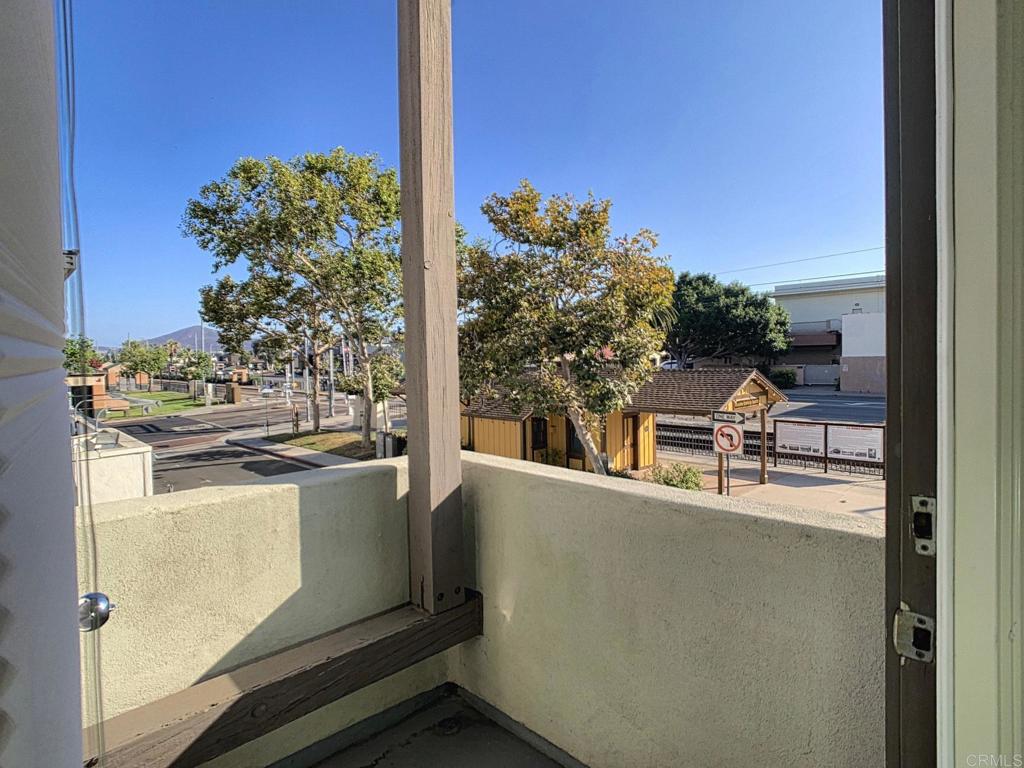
[(431, 341), (825, 444), (721, 474), (764, 446)]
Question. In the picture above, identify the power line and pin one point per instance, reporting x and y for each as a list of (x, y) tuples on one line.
[(808, 280), (799, 261)]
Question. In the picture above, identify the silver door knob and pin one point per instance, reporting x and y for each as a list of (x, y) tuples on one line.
[(93, 611)]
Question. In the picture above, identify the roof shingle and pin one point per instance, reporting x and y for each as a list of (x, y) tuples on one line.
[(498, 406), (696, 392)]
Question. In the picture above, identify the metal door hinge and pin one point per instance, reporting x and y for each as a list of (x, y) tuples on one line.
[(922, 524), (913, 635)]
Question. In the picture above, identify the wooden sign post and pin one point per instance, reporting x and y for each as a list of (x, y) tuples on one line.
[(764, 446), (727, 439)]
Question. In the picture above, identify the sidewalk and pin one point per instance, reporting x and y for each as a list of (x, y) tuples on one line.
[(312, 459), (833, 492)]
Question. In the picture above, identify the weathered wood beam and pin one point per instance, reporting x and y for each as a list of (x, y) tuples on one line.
[(431, 337), (215, 716), (763, 478)]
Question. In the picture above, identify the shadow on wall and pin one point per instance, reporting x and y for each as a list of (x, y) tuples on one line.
[(211, 579), (352, 559)]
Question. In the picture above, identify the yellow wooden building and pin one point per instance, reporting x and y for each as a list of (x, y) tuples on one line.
[(496, 426)]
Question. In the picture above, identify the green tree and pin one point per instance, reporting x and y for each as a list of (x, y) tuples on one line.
[(172, 347), (560, 317), (138, 357), (81, 356), (196, 365), (387, 374), (319, 239), (272, 350), (715, 319)]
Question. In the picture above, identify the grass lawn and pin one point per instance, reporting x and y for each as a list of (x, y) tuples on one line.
[(338, 443), (170, 402)]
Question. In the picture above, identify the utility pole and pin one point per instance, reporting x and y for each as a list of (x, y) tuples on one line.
[(202, 331), (305, 376), (330, 383)]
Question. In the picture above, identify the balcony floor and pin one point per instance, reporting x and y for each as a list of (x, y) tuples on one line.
[(449, 733)]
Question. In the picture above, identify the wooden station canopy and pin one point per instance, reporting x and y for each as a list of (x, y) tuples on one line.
[(703, 391)]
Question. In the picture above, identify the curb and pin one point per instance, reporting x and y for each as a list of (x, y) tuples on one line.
[(276, 455)]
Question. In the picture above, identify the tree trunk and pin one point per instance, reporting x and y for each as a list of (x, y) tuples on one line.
[(368, 404), (314, 366), (576, 417)]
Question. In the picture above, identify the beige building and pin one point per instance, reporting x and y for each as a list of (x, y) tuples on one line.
[(838, 331)]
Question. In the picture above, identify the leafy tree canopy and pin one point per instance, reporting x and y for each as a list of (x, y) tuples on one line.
[(558, 315), (196, 365), (319, 240), (388, 372), (715, 319), (137, 357), (81, 356)]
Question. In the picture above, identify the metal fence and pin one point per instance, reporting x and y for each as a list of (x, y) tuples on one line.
[(695, 440), (220, 391), (169, 385)]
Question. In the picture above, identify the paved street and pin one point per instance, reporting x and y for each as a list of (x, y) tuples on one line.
[(217, 465), (190, 451), (828, 405), (817, 404), (169, 432)]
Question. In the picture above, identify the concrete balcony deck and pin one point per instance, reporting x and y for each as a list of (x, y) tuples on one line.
[(624, 623)]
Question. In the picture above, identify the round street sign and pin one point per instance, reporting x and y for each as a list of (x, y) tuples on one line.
[(728, 438)]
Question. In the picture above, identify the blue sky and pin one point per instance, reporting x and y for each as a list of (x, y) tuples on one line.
[(744, 133)]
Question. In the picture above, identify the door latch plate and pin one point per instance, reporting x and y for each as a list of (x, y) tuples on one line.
[(914, 635), (922, 524)]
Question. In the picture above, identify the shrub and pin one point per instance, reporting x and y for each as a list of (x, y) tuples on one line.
[(554, 457), (683, 476), (783, 378)]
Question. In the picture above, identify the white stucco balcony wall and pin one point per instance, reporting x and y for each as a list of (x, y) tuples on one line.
[(628, 624)]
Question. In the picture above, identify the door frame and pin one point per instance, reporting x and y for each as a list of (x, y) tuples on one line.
[(909, 52)]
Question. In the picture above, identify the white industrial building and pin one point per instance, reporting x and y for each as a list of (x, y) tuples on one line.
[(838, 331)]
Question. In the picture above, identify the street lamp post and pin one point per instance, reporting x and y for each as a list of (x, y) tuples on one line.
[(305, 375), (266, 392)]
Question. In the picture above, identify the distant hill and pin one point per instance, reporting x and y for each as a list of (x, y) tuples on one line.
[(192, 337)]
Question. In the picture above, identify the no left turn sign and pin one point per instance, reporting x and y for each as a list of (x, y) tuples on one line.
[(728, 438)]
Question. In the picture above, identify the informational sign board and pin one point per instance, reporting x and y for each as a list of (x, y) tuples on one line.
[(804, 439), (746, 401), (854, 443), (728, 416), (728, 438)]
